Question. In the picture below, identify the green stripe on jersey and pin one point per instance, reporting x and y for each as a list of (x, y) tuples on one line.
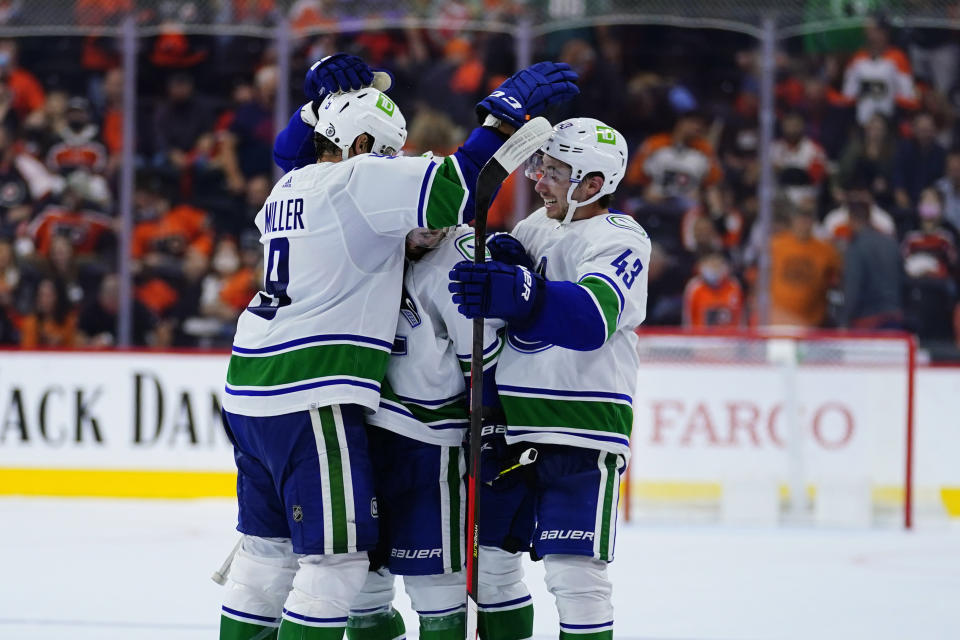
[(290, 630), (305, 364), (448, 196), (607, 298), (513, 624), (455, 410), (586, 415)]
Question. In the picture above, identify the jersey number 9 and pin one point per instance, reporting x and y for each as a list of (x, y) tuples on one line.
[(276, 277)]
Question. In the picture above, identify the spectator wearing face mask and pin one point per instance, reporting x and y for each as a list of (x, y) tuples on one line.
[(713, 297), (931, 266)]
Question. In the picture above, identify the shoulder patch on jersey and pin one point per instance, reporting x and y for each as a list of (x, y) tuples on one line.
[(624, 221), (408, 309), (466, 246)]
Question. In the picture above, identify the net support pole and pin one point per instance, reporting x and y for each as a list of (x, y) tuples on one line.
[(125, 275), (523, 41), (281, 102), (908, 472), (765, 185)]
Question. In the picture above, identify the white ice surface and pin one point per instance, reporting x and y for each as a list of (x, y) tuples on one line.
[(86, 569)]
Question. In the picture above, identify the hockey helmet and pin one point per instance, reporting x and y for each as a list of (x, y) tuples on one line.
[(588, 146), (344, 116)]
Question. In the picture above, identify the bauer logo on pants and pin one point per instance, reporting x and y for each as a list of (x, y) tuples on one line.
[(297, 513)]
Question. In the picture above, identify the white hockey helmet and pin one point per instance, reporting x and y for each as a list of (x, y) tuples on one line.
[(344, 116), (587, 146)]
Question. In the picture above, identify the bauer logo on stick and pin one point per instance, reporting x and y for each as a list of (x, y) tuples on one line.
[(386, 105), (606, 135)]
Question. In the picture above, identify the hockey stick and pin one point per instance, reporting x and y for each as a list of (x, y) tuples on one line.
[(521, 145), (220, 576)]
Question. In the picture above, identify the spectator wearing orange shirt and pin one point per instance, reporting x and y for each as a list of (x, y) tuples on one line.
[(713, 297), (803, 271), (25, 91), (53, 323)]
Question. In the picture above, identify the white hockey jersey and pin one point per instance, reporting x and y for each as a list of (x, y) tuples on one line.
[(424, 394), (581, 398), (321, 331)]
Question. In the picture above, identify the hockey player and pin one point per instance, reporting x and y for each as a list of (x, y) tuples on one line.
[(311, 350), (567, 376), (416, 444)]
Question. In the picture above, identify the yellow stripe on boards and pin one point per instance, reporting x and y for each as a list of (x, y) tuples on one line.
[(951, 500), (117, 483)]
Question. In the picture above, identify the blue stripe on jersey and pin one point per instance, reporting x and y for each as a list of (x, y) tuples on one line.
[(507, 603), (564, 625), (298, 616), (423, 195), (511, 431), (302, 387), (328, 337), (569, 394)]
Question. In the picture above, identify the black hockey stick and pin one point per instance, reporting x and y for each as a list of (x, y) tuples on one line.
[(521, 145)]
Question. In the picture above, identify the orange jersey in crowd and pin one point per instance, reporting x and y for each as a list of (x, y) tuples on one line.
[(802, 272), (879, 84), (239, 288), (677, 170), (181, 227), (36, 332), (85, 229), (28, 95), (706, 306)]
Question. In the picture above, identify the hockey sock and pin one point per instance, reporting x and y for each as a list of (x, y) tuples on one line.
[(290, 630), (451, 627), (513, 624), (231, 629), (385, 625), (597, 635)]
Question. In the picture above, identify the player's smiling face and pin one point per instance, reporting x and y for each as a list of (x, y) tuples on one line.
[(553, 185)]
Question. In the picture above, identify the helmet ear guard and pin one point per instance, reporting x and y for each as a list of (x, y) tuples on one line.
[(343, 117)]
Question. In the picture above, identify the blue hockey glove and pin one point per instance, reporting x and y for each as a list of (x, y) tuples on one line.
[(339, 72), (505, 248), (529, 92), (495, 290)]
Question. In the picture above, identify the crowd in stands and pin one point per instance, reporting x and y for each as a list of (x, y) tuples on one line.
[(866, 160)]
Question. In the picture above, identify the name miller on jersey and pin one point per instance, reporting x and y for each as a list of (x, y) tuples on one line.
[(277, 215)]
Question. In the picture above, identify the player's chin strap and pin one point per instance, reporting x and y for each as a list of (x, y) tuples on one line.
[(573, 204)]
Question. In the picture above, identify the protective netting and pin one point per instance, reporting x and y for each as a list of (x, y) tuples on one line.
[(793, 17)]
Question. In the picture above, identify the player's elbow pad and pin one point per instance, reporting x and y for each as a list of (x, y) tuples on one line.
[(568, 318)]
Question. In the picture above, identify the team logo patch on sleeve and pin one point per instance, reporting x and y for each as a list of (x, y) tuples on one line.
[(408, 309)]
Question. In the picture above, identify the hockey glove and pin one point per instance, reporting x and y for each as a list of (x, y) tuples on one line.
[(505, 248), (336, 73), (528, 92), (496, 290)]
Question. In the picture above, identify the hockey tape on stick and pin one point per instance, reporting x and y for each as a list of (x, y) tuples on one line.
[(220, 576)]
